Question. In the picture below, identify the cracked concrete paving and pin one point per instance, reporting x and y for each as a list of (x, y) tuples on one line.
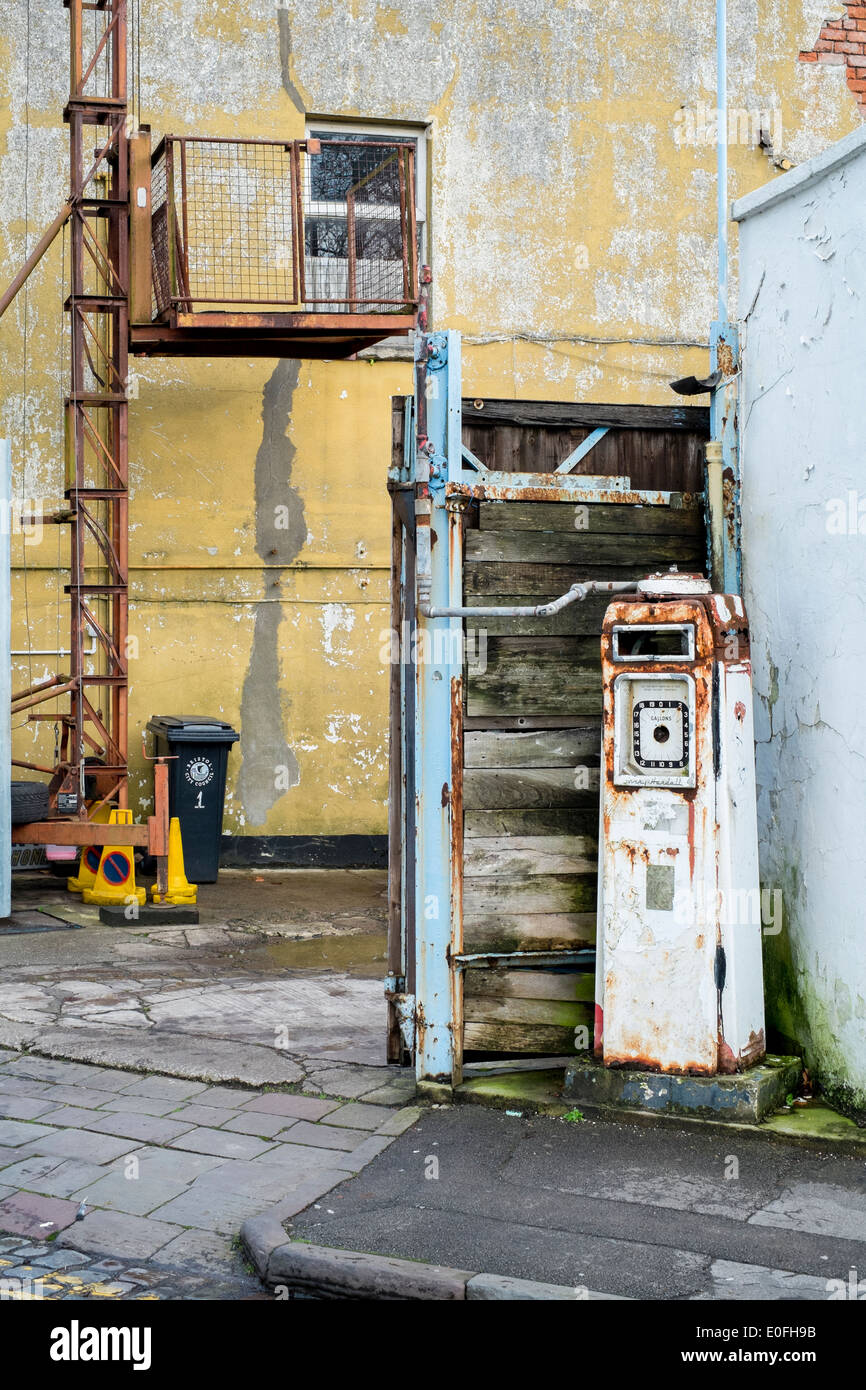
[(280, 983)]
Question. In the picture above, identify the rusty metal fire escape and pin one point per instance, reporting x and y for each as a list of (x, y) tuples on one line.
[(207, 246), (96, 424)]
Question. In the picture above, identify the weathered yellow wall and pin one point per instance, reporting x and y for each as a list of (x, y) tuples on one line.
[(572, 242)]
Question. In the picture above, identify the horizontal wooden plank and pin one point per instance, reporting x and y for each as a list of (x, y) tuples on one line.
[(572, 820), (538, 1039), (528, 788), (646, 417), (541, 893), (518, 983), (534, 748), (507, 857), (579, 547), (487, 696), (525, 723), (583, 619), (506, 930), (543, 675), (559, 1012), (544, 581), (592, 518)]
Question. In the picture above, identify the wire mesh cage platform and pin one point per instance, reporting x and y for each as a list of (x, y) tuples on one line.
[(257, 239)]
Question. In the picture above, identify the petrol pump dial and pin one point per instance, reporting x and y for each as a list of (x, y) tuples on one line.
[(654, 720), (660, 733)]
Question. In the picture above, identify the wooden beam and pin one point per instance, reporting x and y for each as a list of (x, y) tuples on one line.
[(509, 857), (537, 675), (562, 820), (495, 748), (527, 788), (504, 930), (544, 893), (79, 832), (593, 518), (641, 553), (637, 417), (483, 578), (564, 1013), (530, 984), (577, 620), (535, 1038)]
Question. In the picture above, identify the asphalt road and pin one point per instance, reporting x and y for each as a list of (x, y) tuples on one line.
[(636, 1211)]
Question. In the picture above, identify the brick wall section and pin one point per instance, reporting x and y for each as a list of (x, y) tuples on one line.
[(844, 41)]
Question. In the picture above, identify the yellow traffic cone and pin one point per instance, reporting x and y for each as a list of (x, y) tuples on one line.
[(180, 890), (88, 865), (115, 878)]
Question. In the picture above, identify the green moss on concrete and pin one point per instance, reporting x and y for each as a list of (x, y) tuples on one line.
[(798, 1013), (815, 1125), (539, 1092), (816, 1122)]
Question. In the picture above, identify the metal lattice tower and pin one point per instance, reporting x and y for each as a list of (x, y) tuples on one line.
[(316, 256), (96, 427)]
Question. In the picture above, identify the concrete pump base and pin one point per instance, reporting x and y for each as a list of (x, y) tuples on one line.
[(745, 1098)]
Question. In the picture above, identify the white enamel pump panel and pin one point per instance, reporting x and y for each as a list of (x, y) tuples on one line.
[(679, 973)]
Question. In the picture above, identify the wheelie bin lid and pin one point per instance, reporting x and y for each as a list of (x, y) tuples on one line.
[(192, 728)]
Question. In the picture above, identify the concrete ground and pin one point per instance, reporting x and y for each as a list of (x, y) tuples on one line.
[(661, 1212), (280, 983)]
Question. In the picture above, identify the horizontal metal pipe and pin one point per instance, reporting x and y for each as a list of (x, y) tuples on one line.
[(576, 593), (481, 959)]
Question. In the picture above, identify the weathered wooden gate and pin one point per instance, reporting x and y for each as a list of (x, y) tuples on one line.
[(496, 718)]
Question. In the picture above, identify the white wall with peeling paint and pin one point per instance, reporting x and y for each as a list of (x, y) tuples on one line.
[(803, 303)]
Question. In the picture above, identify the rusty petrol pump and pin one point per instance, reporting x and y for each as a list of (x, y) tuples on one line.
[(679, 983)]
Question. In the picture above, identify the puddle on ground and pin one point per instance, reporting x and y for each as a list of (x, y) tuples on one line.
[(364, 956)]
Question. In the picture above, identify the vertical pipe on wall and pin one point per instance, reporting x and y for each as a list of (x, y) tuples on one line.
[(722, 499), (438, 669), (722, 155)]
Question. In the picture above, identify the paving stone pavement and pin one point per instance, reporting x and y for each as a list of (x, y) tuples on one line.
[(119, 1185)]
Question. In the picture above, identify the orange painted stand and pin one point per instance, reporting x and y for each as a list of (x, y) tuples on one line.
[(152, 837)]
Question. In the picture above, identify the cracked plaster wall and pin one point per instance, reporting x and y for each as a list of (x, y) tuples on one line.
[(803, 268), (564, 208)]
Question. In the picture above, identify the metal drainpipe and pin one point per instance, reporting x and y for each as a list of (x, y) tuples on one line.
[(722, 155), (714, 450)]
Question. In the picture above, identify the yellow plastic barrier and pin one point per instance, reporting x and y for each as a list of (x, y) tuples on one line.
[(114, 885), (88, 865)]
